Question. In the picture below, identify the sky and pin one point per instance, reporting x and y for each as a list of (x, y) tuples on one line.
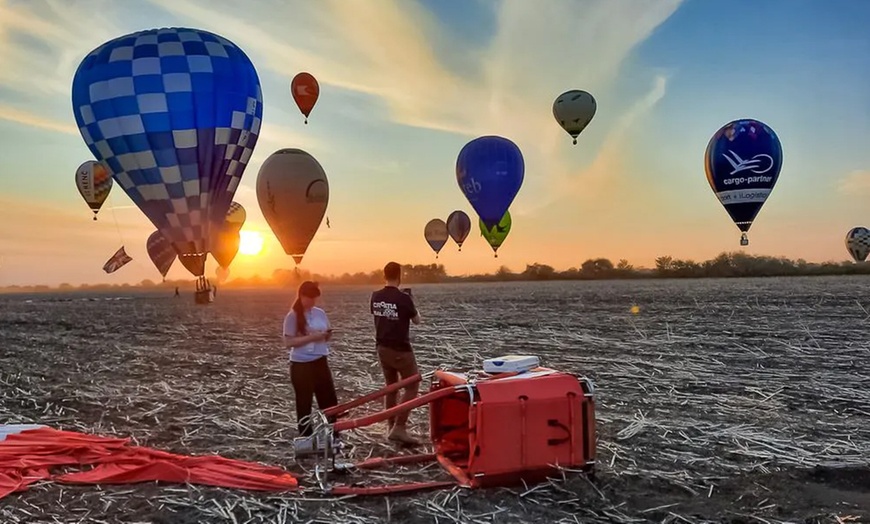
[(406, 83)]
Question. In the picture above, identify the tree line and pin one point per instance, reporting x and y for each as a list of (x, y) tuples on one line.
[(725, 265)]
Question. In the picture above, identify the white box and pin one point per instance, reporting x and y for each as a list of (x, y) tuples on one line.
[(511, 363)]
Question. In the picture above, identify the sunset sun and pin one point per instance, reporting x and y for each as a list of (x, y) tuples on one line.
[(250, 243)]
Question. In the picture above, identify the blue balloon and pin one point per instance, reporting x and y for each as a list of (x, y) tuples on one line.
[(174, 113), (490, 171), (743, 160)]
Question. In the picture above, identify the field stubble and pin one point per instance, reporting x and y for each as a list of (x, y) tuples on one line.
[(721, 401)]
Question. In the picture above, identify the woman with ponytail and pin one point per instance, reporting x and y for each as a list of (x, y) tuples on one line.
[(306, 333)]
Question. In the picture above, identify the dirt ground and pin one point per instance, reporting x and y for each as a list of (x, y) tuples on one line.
[(722, 401)]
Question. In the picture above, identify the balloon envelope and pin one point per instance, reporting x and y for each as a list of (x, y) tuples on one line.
[(490, 171), (174, 114), (496, 234), (305, 90), (94, 184), (459, 226), (236, 216), (160, 252), (226, 246), (436, 234), (574, 110), (742, 161), (293, 193), (858, 243)]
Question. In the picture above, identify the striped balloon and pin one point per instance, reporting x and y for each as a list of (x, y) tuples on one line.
[(94, 184), (161, 253), (236, 216)]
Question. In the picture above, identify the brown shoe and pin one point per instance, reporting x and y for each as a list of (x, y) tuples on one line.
[(399, 434)]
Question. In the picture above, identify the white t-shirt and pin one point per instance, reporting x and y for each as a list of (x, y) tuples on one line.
[(317, 321)]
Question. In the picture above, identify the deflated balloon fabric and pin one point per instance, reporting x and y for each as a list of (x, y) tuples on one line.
[(28, 456)]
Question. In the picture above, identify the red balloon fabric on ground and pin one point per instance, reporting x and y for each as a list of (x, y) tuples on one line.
[(28, 453)]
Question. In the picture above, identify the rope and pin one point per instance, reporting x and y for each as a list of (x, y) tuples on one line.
[(120, 235)]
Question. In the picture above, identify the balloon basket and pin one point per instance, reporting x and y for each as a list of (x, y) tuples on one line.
[(744, 240), (553, 414), (203, 297)]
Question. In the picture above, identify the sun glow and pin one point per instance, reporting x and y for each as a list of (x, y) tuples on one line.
[(250, 243)]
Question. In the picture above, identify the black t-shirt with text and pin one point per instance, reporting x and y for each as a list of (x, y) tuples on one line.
[(393, 311)]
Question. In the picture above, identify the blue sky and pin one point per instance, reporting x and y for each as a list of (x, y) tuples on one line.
[(406, 83)]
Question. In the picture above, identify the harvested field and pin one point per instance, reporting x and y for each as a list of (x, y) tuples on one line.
[(721, 401)]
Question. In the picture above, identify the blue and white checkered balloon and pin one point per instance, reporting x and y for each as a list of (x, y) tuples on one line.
[(174, 113)]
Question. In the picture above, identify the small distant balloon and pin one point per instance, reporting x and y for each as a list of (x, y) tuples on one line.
[(635, 310), (490, 172), (742, 161), (305, 90), (436, 234), (236, 216), (496, 234), (574, 110), (858, 243), (459, 226), (94, 183)]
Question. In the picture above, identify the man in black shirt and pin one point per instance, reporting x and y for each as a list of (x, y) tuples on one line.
[(393, 312)]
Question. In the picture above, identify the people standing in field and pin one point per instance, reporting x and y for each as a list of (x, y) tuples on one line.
[(393, 311), (307, 333)]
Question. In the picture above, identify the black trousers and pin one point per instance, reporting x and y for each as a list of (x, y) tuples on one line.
[(310, 380)]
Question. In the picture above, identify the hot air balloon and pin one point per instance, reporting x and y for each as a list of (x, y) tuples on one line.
[(305, 91), (742, 161), (436, 234), (489, 171), (459, 226), (496, 234), (293, 193), (94, 184), (574, 110), (226, 246), (174, 114), (858, 243), (236, 216), (161, 252)]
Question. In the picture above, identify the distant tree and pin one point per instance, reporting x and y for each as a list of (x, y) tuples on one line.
[(538, 272), (664, 265), (596, 268)]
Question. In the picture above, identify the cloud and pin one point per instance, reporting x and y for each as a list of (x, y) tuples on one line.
[(409, 67), (19, 116), (390, 51), (608, 162), (279, 137), (41, 43), (855, 183)]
